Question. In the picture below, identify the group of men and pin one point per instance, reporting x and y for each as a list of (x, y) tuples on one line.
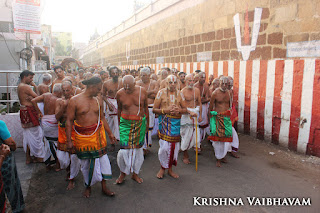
[(66, 122)]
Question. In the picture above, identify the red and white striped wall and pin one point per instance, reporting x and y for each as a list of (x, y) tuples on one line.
[(278, 100)]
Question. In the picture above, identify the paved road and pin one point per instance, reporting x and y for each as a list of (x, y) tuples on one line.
[(256, 173)]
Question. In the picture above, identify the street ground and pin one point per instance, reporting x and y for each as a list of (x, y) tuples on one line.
[(263, 170)]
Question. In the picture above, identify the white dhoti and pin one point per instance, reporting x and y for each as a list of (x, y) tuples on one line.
[(204, 124), (66, 159), (50, 129), (49, 125), (130, 160), (155, 127), (188, 130), (96, 169), (112, 117), (148, 138), (33, 137), (221, 149), (168, 153), (235, 141)]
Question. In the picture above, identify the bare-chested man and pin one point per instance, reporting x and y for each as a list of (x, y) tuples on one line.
[(182, 80), (45, 85), (32, 132), (80, 78), (169, 105), (202, 85), (67, 158), (151, 87), (219, 116), (85, 112), (109, 91), (133, 117), (190, 132), (58, 70), (49, 122)]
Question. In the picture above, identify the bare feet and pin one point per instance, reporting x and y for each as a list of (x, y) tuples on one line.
[(223, 160), (218, 164), (121, 178), (145, 152), (186, 157), (87, 192), (172, 174), (186, 161), (57, 169), (136, 178), (160, 173), (233, 154), (105, 190), (71, 185)]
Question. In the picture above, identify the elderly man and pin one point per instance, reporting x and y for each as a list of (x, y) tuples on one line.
[(85, 112), (190, 132), (49, 122), (204, 94), (32, 133), (164, 73), (133, 117), (67, 159), (220, 122), (45, 85), (169, 105), (215, 84), (109, 91), (152, 89)]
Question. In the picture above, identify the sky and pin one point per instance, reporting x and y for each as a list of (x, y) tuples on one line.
[(82, 17)]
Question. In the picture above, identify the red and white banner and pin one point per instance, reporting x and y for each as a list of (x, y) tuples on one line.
[(26, 16), (278, 100)]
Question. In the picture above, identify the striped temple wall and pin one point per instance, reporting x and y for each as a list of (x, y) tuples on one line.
[(277, 100)]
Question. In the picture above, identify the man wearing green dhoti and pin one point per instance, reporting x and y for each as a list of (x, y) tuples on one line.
[(133, 115), (220, 122)]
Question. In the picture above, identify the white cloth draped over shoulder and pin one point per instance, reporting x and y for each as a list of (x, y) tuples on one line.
[(188, 130)]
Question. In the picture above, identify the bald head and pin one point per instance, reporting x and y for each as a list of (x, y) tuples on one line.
[(154, 77), (128, 83), (172, 82)]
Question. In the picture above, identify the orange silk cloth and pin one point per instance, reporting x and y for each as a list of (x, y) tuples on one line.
[(88, 147), (62, 138)]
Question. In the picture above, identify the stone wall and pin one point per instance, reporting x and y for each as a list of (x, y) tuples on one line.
[(209, 27)]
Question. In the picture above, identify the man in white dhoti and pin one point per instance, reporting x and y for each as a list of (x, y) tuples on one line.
[(169, 105), (67, 158), (109, 91), (203, 86), (221, 134), (152, 89), (133, 116), (86, 117), (49, 123), (32, 132), (190, 132)]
